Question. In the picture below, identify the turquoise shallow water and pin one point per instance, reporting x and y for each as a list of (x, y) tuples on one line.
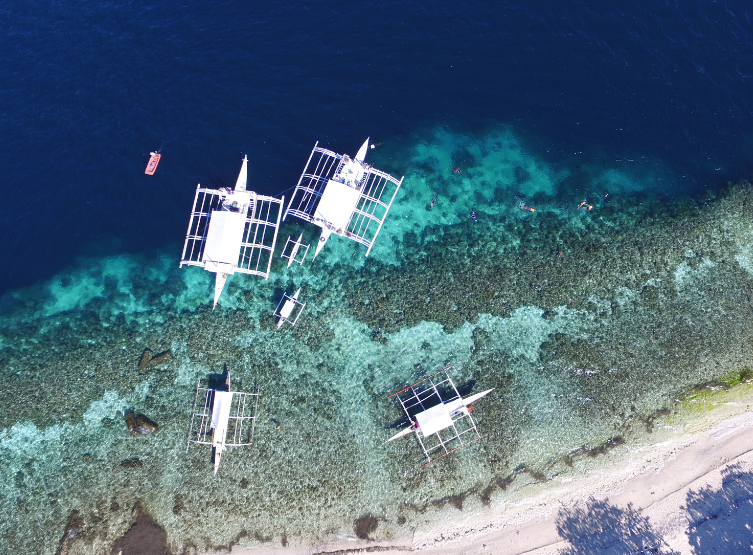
[(587, 323)]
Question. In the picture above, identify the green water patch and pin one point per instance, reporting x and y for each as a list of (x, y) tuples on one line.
[(727, 388)]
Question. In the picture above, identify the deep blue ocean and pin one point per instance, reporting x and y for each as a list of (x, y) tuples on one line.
[(88, 89)]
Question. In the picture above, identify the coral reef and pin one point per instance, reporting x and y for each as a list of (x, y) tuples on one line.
[(589, 324), (72, 531)]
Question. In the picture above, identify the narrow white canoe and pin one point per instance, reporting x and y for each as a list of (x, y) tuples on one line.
[(287, 308), (294, 252)]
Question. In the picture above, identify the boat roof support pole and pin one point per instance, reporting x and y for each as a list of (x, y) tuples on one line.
[(253, 420), (238, 431), (421, 443), (206, 417), (299, 181), (190, 221), (457, 434), (274, 240), (373, 240)]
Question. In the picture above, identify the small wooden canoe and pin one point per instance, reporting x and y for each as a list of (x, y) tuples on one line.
[(151, 167)]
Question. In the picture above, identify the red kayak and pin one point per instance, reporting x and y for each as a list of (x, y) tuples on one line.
[(151, 167)]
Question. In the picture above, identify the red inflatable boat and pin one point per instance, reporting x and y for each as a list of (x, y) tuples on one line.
[(151, 167)]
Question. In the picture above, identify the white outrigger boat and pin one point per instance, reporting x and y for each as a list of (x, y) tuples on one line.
[(232, 230), (438, 415), (295, 248), (220, 411), (288, 304), (343, 195)]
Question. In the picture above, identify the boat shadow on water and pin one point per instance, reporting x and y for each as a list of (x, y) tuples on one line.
[(219, 382), (216, 382)]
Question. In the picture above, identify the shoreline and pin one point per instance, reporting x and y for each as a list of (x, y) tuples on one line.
[(651, 480)]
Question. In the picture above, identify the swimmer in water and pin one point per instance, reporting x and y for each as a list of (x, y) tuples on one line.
[(473, 216), (456, 170), (525, 208)]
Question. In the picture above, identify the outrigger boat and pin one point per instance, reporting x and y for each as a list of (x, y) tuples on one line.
[(222, 410), (288, 304), (292, 256), (232, 230), (343, 195), (438, 415), (151, 166)]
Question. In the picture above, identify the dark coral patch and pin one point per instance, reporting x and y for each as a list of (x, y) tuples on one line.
[(365, 526)]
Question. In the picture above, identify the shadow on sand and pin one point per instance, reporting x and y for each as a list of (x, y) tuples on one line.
[(721, 521), (602, 528)]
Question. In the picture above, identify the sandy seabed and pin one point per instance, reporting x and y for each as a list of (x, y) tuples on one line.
[(690, 492)]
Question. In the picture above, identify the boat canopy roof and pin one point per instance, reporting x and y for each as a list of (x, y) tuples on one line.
[(434, 419), (224, 239), (223, 401), (337, 204)]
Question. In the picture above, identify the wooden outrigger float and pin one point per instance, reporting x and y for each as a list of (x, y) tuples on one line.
[(438, 415), (289, 304), (216, 412), (232, 230), (343, 195)]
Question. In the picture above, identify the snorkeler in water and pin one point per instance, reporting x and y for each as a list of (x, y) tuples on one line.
[(525, 208), (473, 216)]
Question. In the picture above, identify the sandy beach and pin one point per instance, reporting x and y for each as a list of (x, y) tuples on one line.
[(689, 492)]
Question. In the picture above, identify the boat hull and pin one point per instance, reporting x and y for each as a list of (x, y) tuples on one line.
[(151, 166)]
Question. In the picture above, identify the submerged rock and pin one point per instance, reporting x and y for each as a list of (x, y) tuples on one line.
[(365, 526), (139, 424), (146, 356), (159, 358), (72, 531), (144, 536), (130, 463), (178, 504)]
